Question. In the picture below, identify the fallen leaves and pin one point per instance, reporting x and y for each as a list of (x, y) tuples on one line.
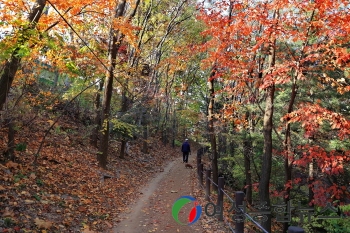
[(11, 164), (87, 230), (43, 224), (32, 176), (64, 190), (8, 213)]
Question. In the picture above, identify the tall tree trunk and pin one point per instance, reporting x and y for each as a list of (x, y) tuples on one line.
[(11, 66), (264, 191), (214, 162), (115, 42), (288, 160)]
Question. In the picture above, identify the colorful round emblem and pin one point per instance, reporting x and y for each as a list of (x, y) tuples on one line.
[(194, 214)]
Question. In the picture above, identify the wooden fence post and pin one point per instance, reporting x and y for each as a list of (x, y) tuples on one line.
[(293, 229), (220, 203), (200, 174), (207, 184), (239, 223)]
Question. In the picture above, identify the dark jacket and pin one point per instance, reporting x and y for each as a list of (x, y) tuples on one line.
[(186, 147)]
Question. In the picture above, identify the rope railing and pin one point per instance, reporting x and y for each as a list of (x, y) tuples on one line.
[(228, 196), (229, 225), (247, 215), (237, 203), (213, 182), (253, 221), (239, 225)]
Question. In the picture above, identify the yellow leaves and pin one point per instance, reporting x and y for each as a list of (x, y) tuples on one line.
[(51, 122)]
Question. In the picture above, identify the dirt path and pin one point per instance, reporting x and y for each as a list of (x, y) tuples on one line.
[(152, 211)]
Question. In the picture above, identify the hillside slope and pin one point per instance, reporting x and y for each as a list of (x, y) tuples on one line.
[(66, 191)]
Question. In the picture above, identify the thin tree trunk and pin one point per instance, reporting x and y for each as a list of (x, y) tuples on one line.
[(214, 162), (174, 129), (145, 133), (97, 120), (310, 181), (288, 160), (11, 66), (10, 152), (122, 149), (264, 190), (115, 43), (247, 153), (247, 170), (124, 109)]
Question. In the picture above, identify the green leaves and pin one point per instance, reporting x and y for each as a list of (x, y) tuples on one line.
[(21, 146), (72, 67), (122, 129), (23, 50)]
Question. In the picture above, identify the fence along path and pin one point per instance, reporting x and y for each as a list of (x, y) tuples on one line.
[(237, 204)]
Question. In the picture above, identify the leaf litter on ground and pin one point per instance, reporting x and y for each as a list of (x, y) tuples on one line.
[(67, 190)]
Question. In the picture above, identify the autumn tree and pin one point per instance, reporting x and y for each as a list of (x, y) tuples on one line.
[(275, 48), (12, 64)]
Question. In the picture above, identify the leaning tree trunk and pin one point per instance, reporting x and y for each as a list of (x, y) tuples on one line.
[(11, 66)]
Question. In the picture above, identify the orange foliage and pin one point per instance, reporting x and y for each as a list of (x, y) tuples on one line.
[(311, 38)]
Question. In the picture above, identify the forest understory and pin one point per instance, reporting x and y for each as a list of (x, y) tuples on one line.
[(63, 189)]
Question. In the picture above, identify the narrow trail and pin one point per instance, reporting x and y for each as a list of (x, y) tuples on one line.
[(152, 211)]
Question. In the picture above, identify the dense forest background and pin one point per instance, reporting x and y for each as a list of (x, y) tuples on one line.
[(264, 84)]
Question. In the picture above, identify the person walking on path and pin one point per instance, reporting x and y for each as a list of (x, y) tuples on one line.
[(186, 150)]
